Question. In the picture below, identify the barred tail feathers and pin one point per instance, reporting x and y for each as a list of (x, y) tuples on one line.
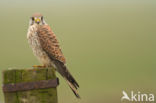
[(62, 69)]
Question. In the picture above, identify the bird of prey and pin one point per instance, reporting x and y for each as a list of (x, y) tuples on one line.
[(46, 48)]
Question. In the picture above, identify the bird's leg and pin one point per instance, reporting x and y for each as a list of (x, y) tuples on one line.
[(39, 66)]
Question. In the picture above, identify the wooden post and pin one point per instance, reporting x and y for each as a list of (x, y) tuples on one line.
[(35, 85)]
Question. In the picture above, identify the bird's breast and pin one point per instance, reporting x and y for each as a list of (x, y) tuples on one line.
[(34, 42)]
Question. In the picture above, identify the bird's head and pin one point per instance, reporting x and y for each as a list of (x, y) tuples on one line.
[(37, 18)]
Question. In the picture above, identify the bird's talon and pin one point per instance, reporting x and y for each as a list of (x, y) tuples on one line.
[(38, 66)]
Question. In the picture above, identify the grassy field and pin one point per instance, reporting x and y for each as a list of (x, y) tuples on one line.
[(109, 45)]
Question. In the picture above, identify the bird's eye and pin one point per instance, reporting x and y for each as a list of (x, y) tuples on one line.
[(32, 18), (41, 17)]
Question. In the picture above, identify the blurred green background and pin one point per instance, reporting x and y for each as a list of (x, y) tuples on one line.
[(110, 45)]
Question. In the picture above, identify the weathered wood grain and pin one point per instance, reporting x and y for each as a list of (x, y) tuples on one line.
[(48, 95)]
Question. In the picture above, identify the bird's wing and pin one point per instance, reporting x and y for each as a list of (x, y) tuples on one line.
[(50, 44)]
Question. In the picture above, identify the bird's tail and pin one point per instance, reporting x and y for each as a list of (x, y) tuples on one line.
[(62, 69)]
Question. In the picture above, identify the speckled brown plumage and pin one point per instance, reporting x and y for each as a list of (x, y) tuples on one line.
[(46, 48), (49, 43)]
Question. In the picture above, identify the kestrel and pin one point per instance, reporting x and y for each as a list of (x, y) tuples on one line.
[(46, 48)]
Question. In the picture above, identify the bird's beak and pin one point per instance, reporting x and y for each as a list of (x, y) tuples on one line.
[(37, 20)]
